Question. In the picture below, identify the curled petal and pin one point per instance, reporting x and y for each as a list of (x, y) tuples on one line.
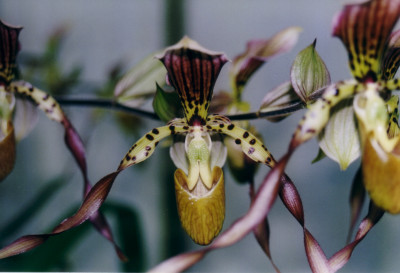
[(364, 30), (7, 150), (192, 70), (9, 47), (201, 211), (258, 52)]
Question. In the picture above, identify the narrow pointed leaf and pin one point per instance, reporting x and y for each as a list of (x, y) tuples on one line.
[(309, 73)]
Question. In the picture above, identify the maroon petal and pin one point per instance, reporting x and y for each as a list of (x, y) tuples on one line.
[(342, 257), (23, 244)]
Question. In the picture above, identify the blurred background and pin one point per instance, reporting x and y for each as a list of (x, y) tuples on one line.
[(98, 40)]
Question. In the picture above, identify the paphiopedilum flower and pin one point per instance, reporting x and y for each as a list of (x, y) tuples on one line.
[(366, 31), (9, 89), (192, 70)]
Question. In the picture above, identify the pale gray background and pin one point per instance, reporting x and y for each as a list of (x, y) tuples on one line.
[(102, 33)]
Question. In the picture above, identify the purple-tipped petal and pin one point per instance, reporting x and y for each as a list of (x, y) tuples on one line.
[(90, 205), (340, 258), (315, 255), (23, 244)]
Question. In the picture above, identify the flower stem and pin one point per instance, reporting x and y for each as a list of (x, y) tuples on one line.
[(111, 104)]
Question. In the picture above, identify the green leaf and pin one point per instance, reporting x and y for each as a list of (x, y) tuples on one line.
[(166, 104), (321, 155), (309, 73), (138, 84)]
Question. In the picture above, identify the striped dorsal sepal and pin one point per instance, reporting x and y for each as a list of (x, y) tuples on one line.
[(365, 30), (192, 71), (9, 47)]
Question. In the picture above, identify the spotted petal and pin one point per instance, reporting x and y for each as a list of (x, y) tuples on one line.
[(364, 30), (192, 71)]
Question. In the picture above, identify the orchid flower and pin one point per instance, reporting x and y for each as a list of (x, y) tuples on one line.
[(199, 182), (9, 89), (365, 30)]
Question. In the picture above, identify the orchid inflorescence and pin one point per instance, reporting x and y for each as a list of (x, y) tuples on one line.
[(361, 112)]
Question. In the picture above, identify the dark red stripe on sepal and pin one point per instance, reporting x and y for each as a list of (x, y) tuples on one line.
[(192, 71), (9, 47), (364, 30)]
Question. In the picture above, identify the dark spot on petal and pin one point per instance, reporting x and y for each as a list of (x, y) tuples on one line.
[(231, 126), (149, 137), (238, 141), (155, 131), (252, 142)]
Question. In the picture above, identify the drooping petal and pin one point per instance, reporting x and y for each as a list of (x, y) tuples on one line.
[(364, 30), (192, 71), (391, 62), (309, 73), (9, 47), (258, 52)]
